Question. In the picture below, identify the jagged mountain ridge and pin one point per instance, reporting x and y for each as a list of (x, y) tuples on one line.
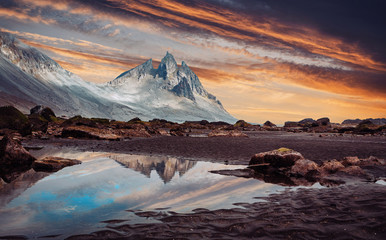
[(180, 80), (169, 92)]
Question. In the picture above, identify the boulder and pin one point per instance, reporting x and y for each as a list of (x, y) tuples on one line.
[(355, 161), (354, 170), (279, 158), (11, 118), (80, 121), (269, 124), (224, 133), (331, 166), (53, 164), (242, 124), (308, 122), (14, 159), (177, 131), (351, 161), (135, 120), (372, 161), (290, 124), (89, 133), (304, 168), (324, 121), (45, 112)]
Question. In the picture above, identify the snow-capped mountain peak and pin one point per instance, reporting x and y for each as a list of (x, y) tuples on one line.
[(137, 74), (167, 67), (181, 81), (29, 77)]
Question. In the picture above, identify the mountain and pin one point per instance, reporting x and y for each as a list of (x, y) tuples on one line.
[(29, 77), (165, 167)]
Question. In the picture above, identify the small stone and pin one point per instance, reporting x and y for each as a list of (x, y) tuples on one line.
[(303, 167), (351, 161), (14, 159), (354, 170), (224, 133), (282, 157), (331, 166), (53, 164)]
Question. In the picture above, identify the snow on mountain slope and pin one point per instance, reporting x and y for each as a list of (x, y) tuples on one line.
[(30, 75), (169, 92)]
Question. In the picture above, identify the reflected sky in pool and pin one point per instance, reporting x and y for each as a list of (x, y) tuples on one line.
[(76, 199)]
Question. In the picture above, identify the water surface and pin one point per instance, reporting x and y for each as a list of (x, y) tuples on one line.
[(77, 199)]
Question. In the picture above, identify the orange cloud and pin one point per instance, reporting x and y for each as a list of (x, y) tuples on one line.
[(22, 16)]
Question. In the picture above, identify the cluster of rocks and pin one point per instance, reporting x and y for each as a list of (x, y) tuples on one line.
[(309, 125), (289, 167), (43, 123), (363, 127), (15, 160)]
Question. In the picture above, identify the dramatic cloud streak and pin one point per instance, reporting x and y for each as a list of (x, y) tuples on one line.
[(274, 53)]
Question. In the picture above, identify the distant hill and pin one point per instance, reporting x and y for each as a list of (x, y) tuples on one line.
[(376, 121)]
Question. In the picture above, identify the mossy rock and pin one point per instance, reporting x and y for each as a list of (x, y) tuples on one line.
[(12, 118), (79, 121), (283, 150), (103, 121), (135, 120)]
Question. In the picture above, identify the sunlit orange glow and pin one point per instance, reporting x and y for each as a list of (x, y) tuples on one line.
[(265, 69)]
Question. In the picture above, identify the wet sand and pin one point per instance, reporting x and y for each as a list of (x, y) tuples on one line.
[(345, 212), (234, 150), (351, 211)]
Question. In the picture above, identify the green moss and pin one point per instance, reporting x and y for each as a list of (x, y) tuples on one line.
[(12, 118), (283, 149), (104, 121)]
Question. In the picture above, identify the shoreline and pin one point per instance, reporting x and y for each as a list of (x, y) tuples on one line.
[(231, 150)]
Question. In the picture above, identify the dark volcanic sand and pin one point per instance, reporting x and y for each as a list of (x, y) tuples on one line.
[(345, 212), (236, 150), (351, 211)]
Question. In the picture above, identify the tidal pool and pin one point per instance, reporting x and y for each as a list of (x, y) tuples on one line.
[(106, 186)]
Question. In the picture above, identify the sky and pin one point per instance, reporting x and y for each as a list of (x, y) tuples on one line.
[(274, 60)]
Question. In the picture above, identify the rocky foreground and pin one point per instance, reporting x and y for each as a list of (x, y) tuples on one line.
[(348, 162)]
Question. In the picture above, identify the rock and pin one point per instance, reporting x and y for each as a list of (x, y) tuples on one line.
[(269, 124), (242, 124), (290, 124), (308, 122), (13, 119), (354, 170), (351, 161), (163, 132), (279, 158), (331, 166), (79, 121), (89, 133), (355, 161), (53, 164), (223, 133), (372, 161), (177, 131), (324, 121), (38, 123), (44, 112), (135, 120), (14, 159), (303, 168)]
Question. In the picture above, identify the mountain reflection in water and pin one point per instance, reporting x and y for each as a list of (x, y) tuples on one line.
[(166, 167), (79, 198)]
